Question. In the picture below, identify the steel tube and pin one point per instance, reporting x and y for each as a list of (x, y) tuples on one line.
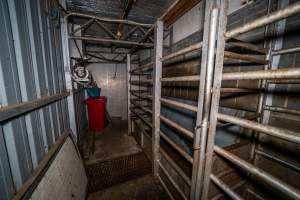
[(281, 133), (287, 73), (247, 46), (231, 193), (175, 185), (178, 104), (144, 67), (186, 50), (142, 107), (117, 21), (247, 58), (175, 166), (282, 110), (11, 111), (265, 20), (264, 74), (110, 41), (139, 116), (186, 132), (286, 51), (278, 160), (182, 152), (165, 187), (286, 189)]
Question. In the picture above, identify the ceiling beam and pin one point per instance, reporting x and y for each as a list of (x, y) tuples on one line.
[(179, 9)]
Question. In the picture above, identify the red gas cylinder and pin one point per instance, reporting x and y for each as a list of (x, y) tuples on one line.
[(96, 111)]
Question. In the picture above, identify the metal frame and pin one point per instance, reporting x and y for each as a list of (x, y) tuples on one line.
[(209, 94)]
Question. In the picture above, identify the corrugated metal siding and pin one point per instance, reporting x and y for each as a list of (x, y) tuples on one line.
[(31, 67)]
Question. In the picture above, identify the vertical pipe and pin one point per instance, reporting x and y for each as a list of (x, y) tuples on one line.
[(68, 76), (207, 64), (215, 98), (158, 50), (128, 95)]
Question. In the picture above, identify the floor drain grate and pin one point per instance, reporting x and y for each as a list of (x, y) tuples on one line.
[(110, 172)]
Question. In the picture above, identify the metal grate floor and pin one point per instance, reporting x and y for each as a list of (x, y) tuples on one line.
[(111, 172)]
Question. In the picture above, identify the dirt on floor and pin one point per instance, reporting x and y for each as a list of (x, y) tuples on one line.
[(142, 188), (112, 142)]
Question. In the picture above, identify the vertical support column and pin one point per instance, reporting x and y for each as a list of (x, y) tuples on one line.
[(157, 73), (68, 74), (128, 95), (200, 139), (215, 98)]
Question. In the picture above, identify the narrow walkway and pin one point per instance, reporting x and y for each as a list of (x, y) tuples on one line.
[(118, 168), (113, 142)]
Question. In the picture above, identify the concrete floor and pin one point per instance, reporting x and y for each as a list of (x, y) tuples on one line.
[(114, 142), (142, 188)]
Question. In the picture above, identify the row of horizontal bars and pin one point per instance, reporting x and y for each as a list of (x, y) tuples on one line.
[(253, 75)]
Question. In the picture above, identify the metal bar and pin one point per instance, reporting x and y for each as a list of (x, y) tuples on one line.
[(31, 183), (84, 26), (177, 147), (176, 167), (128, 95), (129, 33), (144, 67), (178, 104), (107, 20), (284, 81), (248, 46), (286, 189), (166, 188), (286, 51), (265, 20), (186, 50), (175, 185), (15, 110), (281, 133), (142, 107), (231, 193), (111, 34), (249, 75), (149, 81), (264, 74), (282, 110), (280, 161), (204, 97), (139, 116), (215, 92), (248, 58), (111, 41), (186, 132), (141, 29), (158, 50), (181, 78)]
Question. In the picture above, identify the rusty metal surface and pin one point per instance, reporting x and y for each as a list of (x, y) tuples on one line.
[(111, 172)]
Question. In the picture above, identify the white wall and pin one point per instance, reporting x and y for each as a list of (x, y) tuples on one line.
[(188, 24), (114, 89)]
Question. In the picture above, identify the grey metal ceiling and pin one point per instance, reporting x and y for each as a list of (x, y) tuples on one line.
[(144, 11)]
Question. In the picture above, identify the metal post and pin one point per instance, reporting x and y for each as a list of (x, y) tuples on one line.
[(68, 76), (218, 69), (207, 63), (158, 49), (128, 95)]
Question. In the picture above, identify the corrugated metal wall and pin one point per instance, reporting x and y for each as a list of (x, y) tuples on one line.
[(31, 67)]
